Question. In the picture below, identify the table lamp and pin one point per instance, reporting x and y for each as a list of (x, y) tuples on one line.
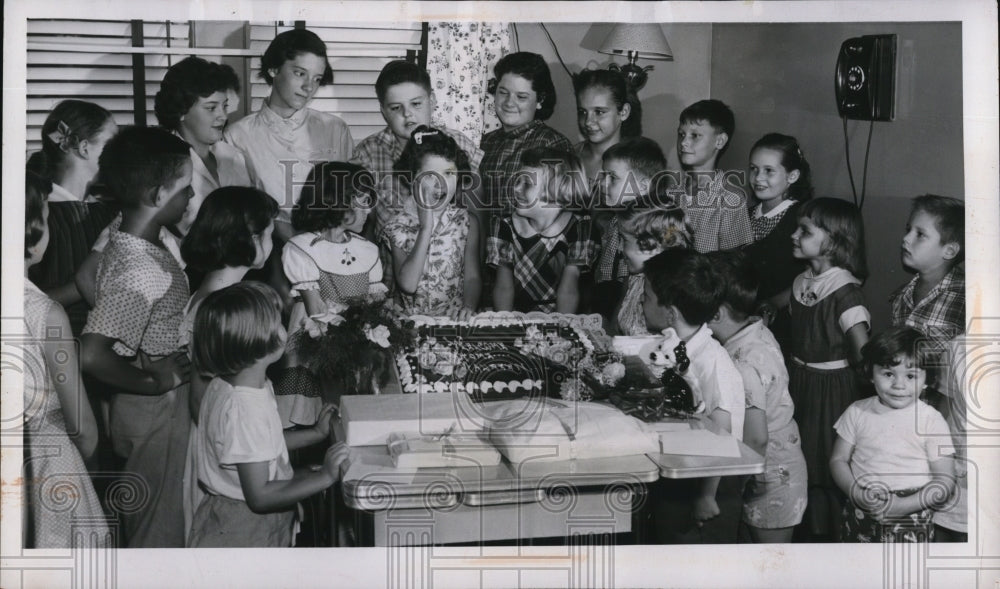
[(635, 41)]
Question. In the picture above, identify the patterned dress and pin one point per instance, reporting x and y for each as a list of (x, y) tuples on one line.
[(442, 286), (777, 497), (538, 261), (631, 317), (338, 271), (64, 510)]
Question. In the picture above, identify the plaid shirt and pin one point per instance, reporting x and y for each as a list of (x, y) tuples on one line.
[(538, 262), (941, 314), (378, 152), (717, 214), (502, 152)]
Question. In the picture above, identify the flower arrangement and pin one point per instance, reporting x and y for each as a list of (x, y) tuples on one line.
[(597, 374), (349, 345)]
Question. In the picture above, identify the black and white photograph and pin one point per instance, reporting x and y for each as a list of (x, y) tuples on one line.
[(506, 294)]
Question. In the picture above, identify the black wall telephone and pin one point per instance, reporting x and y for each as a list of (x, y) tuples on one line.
[(866, 78)]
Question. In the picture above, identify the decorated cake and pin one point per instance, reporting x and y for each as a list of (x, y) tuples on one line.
[(499, 356)]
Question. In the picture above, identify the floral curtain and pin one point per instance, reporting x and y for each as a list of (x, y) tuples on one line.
[(460, 59)]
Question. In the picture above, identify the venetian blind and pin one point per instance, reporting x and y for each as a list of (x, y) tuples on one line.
[(357, 53), (93, 60)]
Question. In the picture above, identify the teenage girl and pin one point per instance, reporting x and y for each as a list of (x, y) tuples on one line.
[(73, 137), (434, 241), (541, 250), (606, 113), (251, 489), (829, 326), (780, 178)]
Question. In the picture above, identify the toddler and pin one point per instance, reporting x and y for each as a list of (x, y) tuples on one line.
[(892, 457)]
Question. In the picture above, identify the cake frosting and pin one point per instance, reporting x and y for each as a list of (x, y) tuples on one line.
[(493, 358)]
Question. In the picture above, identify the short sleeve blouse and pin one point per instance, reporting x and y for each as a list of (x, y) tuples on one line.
[(240, 425)]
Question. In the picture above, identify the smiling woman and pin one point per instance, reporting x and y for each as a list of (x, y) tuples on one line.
[(192, 102)]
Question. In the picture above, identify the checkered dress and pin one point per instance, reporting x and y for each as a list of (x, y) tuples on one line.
[(762, 225), (941, 314), (538, 262), (502, 152)]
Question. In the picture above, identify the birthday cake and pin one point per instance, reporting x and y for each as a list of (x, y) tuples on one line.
[(496, 357)]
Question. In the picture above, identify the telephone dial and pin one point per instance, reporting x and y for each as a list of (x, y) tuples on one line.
[(866, 78)]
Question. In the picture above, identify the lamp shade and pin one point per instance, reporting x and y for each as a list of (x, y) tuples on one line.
[(646, 40)]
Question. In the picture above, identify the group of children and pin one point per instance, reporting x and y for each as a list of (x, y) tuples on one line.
[(186, 395)]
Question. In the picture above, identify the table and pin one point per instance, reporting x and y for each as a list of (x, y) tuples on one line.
[(681, 466), (485, 503), (535, 499)]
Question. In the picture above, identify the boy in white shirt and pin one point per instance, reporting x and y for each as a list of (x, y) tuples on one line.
[(684, 291)]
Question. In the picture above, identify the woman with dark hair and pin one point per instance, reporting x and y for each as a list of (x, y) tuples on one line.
[(73, 137), (607, 111), (285, 133), (193, 103), (524, 98)]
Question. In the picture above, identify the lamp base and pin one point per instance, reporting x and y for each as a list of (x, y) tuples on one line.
[(635, 76)]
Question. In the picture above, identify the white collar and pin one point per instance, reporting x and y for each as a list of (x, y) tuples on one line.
[(758, 211), (810, 289), (60, 194)]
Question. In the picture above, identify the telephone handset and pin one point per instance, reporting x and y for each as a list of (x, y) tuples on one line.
[(866, 78)]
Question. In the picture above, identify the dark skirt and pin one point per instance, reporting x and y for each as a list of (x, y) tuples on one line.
[(820, 397), (221, 522)]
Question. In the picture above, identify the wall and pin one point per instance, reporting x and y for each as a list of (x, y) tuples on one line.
[(672, 85), (779, 77)]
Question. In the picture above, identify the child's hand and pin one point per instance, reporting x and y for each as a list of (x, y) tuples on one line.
[(168, 372), (335, 456), (705, 508), (322, 426), (465, 313), (873, 499)]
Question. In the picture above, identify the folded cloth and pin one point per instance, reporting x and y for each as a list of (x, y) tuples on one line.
[(568, 430), (413, 450)]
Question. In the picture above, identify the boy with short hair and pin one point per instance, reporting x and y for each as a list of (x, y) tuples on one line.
[(933, 302), (130, 340), (629, 170), (407, 101), (684, 291), (773, 501), (717, 212)]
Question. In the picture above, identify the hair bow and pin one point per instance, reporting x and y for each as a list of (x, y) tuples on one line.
[(61, 136), (418, 137)]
